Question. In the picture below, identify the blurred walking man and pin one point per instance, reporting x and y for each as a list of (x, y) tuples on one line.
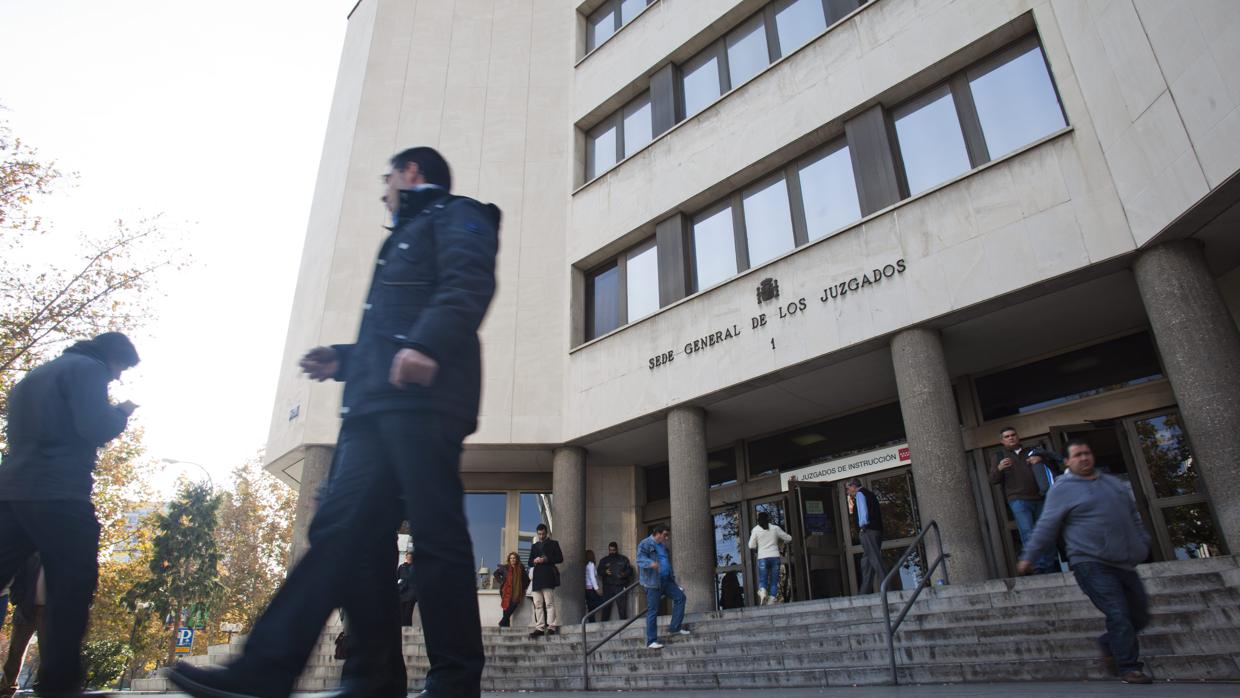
[(412, 383), (59, 417), (1105, 540)]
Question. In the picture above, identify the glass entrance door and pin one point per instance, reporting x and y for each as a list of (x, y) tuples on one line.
[(730, 540), (901, 523), (817, 536), (789, 583)]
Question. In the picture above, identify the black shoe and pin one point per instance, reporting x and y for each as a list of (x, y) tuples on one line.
[(216, 682), (537, 633), (553, 631)]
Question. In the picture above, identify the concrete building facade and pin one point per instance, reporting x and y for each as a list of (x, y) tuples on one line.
[(753, 248)]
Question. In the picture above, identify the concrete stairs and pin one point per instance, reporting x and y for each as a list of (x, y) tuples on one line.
[(1027, 629)]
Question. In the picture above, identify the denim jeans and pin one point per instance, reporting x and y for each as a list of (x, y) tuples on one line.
[(1120, 596), (671, 590), (768, 575), (1026, 513)]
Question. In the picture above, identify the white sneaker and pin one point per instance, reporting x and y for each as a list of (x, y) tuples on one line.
[(656, 645), (682, 631), (772, 600), (761, 597)]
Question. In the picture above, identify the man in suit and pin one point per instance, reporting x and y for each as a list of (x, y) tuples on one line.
[(864, 506), (406, 590), (412, 381), (545, 554)]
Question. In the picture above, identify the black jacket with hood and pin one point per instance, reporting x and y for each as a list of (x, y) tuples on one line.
[(432, 284), (59, 417)]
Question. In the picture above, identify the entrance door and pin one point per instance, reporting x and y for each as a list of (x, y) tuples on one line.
[(789, 583), (730, 540), (901, 523), (817, 536)]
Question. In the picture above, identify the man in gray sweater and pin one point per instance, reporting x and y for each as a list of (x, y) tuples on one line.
[(1105, 541)]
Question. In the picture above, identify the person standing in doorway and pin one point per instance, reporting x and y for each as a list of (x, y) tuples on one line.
[(594, 596), (654, 566), (511, 580), (864, 506), (412, 384), (1105, 541), (406, 590), (545, 554), (766, 538), (59, 416), (1025, 476), (616, 573)]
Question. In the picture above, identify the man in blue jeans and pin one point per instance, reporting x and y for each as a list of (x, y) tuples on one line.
[(1106, 540), (1025, 477), (654, 565)]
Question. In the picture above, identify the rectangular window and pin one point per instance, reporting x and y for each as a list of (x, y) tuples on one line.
[(600, 26), (642, 281), (601, 149), (829, 192), (1016, 101), (747, 51), (701, 81), (798, 21), (485, 513), (768, 221), (714, 248), (604, 292), (630, 9), (638, 127), (931, 142)]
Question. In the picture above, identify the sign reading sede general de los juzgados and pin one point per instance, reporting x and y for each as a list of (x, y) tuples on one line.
[(768, 293)]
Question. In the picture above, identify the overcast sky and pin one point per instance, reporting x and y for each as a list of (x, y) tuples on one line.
[(213, 114)]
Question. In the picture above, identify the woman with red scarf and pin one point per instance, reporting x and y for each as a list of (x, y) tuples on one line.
[(512, 580)]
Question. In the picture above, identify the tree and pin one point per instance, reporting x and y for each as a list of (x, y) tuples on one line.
[(185, 559), (71, 288), (253, 535)]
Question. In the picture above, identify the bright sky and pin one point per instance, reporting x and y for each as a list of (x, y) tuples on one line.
[(213, 114)]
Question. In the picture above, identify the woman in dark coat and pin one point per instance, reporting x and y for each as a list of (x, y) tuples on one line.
[(512, 580)]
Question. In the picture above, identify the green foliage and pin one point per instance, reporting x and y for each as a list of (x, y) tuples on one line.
[(185, 558), (103, 662)]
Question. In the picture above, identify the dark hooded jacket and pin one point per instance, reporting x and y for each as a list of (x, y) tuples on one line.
[(59, 417), (432, 284)]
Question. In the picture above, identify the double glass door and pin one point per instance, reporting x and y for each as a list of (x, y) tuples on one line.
[(897, 498)]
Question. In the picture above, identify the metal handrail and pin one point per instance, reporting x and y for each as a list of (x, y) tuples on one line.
[(586, 650), (925, 582)]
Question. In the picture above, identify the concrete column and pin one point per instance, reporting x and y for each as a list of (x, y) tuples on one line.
[(693, 534), (568, 507), (314, 467), (937, 448), (1200, 348)]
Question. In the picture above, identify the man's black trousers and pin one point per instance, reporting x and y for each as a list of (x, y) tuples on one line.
[(872, 572), (621, 605), (381, 459), (66, 535)]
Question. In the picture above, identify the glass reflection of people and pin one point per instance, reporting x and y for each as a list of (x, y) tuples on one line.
[(730, 593)]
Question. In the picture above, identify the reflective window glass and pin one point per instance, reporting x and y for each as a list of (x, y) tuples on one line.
[(638, 127), (728, 537), (1016, 103), (798, 21), (768, 222), (1164, 446), (829, 192), (642, 280), (629, 10), (485, 513), (601, 150), (1191, 530), (931, 143), (602, 24), (714, 248), (604, 302), (701, 82), (747, 52)]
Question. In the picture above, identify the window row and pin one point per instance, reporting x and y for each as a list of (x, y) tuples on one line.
[(608, 19), (996, 106), (773, 32)]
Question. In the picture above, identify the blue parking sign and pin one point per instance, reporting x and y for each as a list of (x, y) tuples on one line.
[(185, 640)]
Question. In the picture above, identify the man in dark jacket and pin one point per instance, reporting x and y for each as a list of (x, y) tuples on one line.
[(406, 591), (545, 554), (869, 518), (59, 417), (411, 389), (1024, 474), (616, 573)]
